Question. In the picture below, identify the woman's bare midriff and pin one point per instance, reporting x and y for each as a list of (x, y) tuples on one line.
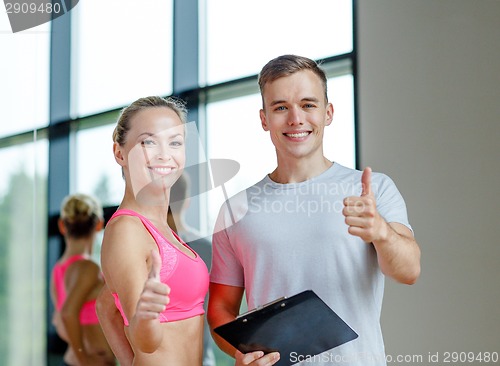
[(181, 345)]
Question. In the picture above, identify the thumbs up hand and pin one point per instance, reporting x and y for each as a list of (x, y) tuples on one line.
[(154, 297), (154, 272), (366, 182), (361, 213)]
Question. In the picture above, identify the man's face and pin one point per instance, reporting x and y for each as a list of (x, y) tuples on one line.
[(295, 114)]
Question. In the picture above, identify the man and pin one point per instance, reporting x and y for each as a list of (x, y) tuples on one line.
[(310, 224)]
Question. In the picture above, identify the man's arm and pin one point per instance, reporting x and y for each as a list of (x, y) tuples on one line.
[(397, 251), (224, 306), (112, 325), (398, 254)]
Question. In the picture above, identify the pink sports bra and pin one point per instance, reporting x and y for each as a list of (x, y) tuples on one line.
[(88, 315), (187, 277)]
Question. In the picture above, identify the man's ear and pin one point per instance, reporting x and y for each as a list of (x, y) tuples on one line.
[(263, 120), (329, 114), (118, 153)]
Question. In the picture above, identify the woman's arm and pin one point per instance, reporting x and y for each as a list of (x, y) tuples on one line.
[(80, 279), (112, 325), (56, 317), (126, 264)]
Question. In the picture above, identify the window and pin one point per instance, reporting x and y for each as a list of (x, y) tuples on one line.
[(122, 50), (23, 238), (242, 37), (96, 171), (24, 91)]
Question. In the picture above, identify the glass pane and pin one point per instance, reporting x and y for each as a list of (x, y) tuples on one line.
[(97, 172), (242, 37), (244, 141), (24, 89), (247, 143), (23, 243), (122, 50), (339, 142)]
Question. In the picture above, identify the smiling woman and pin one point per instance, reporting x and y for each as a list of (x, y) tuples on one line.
[(153, 158), (142, 258)]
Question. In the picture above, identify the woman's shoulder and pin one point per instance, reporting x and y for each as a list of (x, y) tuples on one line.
[(125, 236), (80, 262), (85, 268), (124, 226)]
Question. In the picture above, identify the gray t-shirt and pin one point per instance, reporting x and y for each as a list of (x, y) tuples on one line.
[(280, 239)]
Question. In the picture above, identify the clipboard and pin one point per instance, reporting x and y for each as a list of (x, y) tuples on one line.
[(298, 327)]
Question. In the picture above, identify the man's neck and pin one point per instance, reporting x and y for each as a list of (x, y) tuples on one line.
[(297, 171)]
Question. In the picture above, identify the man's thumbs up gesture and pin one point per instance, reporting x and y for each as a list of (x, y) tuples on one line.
[(397, 251), (361, 213), (154, 297)]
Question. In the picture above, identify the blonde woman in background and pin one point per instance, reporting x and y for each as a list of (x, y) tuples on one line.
[(75, 283)]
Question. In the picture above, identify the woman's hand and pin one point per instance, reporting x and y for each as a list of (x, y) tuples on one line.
[(154, 297), (145, 327)]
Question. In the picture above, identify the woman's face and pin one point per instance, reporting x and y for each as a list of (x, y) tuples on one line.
[(154, 154)]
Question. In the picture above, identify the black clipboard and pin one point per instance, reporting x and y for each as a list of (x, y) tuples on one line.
[(298, 327)]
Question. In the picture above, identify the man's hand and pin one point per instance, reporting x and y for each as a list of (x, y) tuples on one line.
[(361, 213), (397, 251), (256, 358)]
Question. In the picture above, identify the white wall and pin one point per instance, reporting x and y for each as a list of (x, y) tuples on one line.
[(429, 104)]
